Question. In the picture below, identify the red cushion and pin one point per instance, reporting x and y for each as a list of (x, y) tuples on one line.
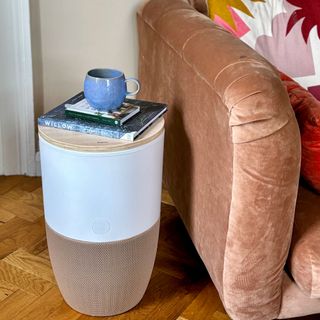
[(307, 110)]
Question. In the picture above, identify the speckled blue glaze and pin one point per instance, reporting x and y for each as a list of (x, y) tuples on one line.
[(106, 89)]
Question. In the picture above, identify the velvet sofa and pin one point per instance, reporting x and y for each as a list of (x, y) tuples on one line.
[(232, 161)]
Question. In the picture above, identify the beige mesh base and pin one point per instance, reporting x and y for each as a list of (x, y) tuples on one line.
[(103, 279)]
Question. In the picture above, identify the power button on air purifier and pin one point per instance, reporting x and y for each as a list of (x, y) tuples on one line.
[(100, 226)]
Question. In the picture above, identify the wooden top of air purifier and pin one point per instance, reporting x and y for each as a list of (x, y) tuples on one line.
[(91, 143)]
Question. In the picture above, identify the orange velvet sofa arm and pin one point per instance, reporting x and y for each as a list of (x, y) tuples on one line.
[(232, 151)]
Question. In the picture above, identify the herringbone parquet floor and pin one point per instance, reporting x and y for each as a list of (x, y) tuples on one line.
[(180, 288)]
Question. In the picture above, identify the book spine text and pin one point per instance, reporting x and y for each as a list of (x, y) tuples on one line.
[(81, 128)]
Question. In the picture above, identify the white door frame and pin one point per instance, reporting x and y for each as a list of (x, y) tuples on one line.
[(20, 136)]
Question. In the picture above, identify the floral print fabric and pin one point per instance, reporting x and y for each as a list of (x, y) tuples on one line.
[(286, 32)]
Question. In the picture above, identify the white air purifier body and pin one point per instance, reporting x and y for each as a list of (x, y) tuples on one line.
[(102, 212)]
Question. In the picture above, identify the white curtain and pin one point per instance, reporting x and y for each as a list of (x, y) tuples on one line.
[(17, 152)]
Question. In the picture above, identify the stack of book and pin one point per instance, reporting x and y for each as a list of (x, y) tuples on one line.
[(126, 123)]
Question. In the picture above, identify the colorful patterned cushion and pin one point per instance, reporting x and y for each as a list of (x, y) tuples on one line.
[(285, 32), (307, 110)]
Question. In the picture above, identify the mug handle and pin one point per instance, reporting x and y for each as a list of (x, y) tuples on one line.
[(138, 86)]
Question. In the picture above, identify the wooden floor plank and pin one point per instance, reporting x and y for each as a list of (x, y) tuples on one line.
[(25, 281), (39, 247), (31, 198), (171, 304), (12, 227), (14, 304), (218, 315), (19, 233), (30, 263), (6, 289), (5, 216), (30, 184), (64, 312), (7, 246), (20, 229), (44, 254), (206, 305), (43, 307), (8, 183), (20, 208)]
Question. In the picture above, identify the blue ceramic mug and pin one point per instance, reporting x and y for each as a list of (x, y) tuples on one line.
[(106, 89)]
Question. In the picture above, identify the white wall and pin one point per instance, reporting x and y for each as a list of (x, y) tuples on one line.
[(70, 37)]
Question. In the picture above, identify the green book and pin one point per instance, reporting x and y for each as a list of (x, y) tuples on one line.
[(83, 111)]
